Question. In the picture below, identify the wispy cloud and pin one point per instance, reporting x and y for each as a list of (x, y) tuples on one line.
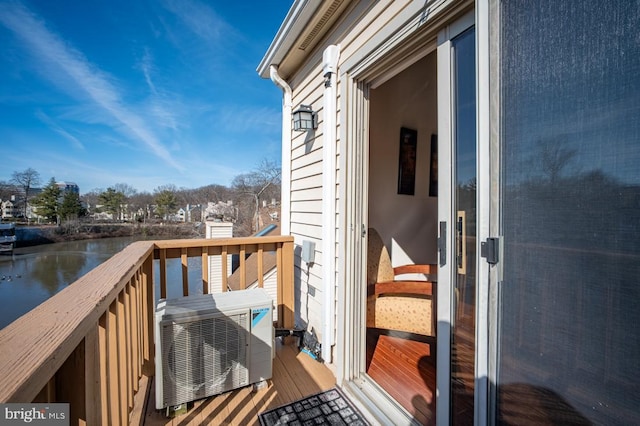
[(199, 18), (163, 110), (59, 130), (235, 118), (69, 68)]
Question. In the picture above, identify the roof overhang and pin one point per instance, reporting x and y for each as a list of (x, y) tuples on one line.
[(303, 27)]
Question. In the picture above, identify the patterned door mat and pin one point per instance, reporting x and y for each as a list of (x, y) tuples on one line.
[(330, 407)]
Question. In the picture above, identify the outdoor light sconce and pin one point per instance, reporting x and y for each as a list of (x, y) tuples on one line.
[(304, 119)]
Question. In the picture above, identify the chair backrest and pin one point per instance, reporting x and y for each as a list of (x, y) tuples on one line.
[(379, 268)]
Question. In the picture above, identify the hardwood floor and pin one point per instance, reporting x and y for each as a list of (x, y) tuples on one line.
[(295, 375), (404, 366)]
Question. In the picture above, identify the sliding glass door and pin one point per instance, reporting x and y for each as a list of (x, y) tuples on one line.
[(568, 331)]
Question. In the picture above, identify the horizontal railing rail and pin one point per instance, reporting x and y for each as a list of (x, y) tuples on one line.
[(90, 344)]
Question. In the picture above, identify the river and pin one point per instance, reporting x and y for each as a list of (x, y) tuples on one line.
[(31, 275)]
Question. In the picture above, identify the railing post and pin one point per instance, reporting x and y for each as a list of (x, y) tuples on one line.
[(260, 266), (185, 271), (225, 273), (70, 384), (205, 270), (243, 267), (163, 273), (94, 375), (286, 281), (148, 312)]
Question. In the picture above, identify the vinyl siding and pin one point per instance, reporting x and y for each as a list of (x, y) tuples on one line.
[(358, 25)]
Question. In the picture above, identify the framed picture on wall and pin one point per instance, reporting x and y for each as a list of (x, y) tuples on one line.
[(407, 161), (433, 172)]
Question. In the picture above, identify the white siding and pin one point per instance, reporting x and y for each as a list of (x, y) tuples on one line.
[(357, 27), (218, 230)]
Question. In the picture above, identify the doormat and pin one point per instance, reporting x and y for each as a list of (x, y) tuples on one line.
[(330, 407)]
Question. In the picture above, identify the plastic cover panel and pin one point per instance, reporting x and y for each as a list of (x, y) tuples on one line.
[(204, 357)]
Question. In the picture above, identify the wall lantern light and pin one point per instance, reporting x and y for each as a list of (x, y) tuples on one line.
[(304, 119)]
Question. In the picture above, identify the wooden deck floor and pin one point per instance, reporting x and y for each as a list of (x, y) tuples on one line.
[(295, 375)]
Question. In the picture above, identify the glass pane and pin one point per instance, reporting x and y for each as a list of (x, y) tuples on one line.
[(463, 337), (569, 338)]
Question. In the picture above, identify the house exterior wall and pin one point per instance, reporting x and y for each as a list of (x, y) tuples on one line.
[(553, 316), (355, 28)]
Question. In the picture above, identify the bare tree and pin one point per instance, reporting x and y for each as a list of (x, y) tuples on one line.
[(125, 189), (555, 156), (128, 191), (25, 180), (6, 190), (266, 179), (141, 204)]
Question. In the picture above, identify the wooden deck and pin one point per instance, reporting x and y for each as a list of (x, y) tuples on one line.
[(95, 338), (295, 375)]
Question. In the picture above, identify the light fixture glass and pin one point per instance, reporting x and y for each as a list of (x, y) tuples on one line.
[(304, 119)]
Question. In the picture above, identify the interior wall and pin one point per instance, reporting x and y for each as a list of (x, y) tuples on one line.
[(406, 223)]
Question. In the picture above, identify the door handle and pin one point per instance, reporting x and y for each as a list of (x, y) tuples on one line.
[(461, 242), (442, 243)]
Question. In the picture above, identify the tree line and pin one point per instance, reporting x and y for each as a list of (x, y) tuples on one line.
[(122, 201)]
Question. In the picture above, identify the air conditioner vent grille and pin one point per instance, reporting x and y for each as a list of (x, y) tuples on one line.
[(204, 357)]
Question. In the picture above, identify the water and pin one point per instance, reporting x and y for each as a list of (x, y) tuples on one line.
[(33, 274)]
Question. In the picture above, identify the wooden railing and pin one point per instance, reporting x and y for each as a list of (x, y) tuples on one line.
[(90, 344)]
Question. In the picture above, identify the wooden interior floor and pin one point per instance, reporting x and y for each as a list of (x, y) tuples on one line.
[(405, 367), (295, 375)]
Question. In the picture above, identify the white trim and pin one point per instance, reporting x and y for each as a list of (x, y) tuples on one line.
[(353, 194), (329, 207), (381, 57), (446, 211), (409, 21), (294, 23), (483, 211), (491, 23), (368, 396), (445, 207), (359, 392), (285, 189)]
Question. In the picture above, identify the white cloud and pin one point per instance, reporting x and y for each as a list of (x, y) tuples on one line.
[(199, 18), (69, 69), (56, 128)]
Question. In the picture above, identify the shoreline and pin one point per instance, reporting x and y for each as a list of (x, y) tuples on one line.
[(28, 236)]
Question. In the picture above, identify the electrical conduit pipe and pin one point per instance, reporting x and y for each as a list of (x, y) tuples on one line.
[(330, 59)]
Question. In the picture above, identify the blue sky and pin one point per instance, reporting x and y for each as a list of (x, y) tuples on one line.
[(142, 92)]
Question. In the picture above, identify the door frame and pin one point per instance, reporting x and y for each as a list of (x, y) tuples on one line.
[(446, 212), (381, 58)]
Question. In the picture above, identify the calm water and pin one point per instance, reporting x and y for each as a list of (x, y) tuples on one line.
[(33, 274)]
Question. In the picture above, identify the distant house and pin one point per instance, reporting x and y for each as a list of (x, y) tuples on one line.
[(68, 187), (181, 215), (8, 209), (190, 213)]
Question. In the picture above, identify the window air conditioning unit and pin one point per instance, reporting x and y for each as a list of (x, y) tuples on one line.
[(210, 344)]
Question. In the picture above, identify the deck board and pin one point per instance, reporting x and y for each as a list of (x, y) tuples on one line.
[(295, 375)]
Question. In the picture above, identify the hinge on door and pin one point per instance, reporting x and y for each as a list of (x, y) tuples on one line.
[(490, 250)]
